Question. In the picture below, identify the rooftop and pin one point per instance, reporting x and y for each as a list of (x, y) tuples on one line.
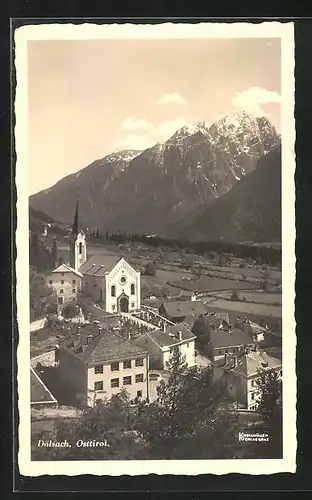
[(249, 364), (181, 308), (236, 337), (171, 336), (64, 268), (39, 392), (98, 265), (92, 344)]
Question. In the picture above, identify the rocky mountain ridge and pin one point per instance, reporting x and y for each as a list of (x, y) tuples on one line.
[(155, 190)]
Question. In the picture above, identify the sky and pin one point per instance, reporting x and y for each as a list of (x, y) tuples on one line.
[(89, 98)]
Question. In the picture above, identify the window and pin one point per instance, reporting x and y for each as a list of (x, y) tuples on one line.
[(61, 300), (74, 300), (132, 289), (62, 282), (127, 364), (98, 369), (61, 290), (188, 345), (127, 381), (139, 362), (114, 367), (132, 304), (74, 282), (98, 386), (139, 377), (139, 394), (113, 291), (113, 307), (80, 248), (74, 290), (115, 382), (123, 280), (252, 395), (50, 282)]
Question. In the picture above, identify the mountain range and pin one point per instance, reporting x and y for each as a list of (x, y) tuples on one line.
[(161, 189), (251, 211)]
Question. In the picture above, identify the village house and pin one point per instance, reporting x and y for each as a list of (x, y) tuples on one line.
[(161, 343), (113, 283), (240, 373), (96, 364), (180, 310), (66, 282)]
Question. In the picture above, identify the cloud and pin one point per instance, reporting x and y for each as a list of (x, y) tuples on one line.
[(175, 97), (252, 99), (144, 134), (135, 141)]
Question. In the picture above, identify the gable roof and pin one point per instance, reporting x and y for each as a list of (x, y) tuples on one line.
[(182, 308), (236, 337), (249, 364), (103, 346), (99, 265), (64, 268), (170, 337)]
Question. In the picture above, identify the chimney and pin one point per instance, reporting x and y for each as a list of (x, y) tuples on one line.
[(234, 361), (164, 326), (100, 330), (78, 336), (180, 335), (89, 338)]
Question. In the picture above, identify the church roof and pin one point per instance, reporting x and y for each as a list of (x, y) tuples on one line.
[(99, 265), (64, 268)]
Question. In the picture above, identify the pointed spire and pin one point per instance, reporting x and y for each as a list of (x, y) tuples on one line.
[(76, 220)]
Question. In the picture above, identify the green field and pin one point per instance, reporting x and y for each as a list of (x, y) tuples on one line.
[(245, 308), (206, 284), (258, 297)]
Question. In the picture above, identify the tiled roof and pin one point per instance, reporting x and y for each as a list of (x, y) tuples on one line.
[(103, 346), (249, 364), (181, 308), (64, 268), (171, 335), (39, 392), (98, 265), (236, 337)]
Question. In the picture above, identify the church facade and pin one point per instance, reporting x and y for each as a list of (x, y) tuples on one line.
[(115, 284)]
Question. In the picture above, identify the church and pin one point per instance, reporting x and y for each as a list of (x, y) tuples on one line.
[(107, 279)]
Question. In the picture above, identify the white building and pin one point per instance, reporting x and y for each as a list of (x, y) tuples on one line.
[(160, 344), (241, 373), (66, 282), (113, 283)]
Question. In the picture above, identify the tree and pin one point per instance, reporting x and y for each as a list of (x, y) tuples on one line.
[(70, 311), (187, 262), (235, 295), (107, 421), (185, 421), (201, 329), (269, 406), (150, 269), (41, 296)]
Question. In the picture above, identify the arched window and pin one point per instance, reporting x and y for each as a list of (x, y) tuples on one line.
[(80, 248), (113, 291), (132, 289)]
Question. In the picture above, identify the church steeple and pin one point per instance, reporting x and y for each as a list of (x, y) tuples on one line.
[(75, 226), (78, 251)]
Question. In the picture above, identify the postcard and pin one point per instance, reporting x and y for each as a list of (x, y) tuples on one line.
[(155, 269)]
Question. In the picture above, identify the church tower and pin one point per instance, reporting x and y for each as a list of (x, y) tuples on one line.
[(78, 246)]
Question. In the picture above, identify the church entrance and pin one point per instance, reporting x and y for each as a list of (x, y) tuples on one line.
[(123, 303)]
